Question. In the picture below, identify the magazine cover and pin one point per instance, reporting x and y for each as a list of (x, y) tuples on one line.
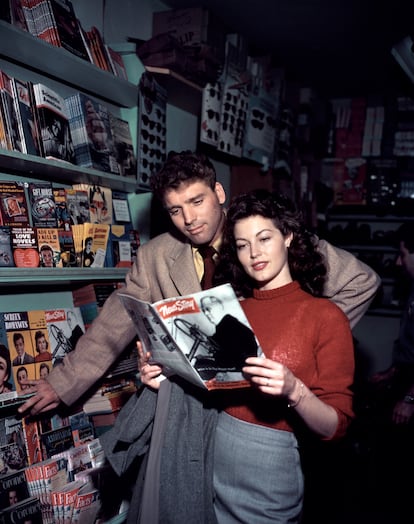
[(204, 337)]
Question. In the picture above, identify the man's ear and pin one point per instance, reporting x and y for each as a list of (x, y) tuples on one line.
[(221, 194)]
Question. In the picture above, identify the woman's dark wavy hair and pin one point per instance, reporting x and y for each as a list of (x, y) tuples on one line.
[(305, 262), (182, 167), (4, 353)]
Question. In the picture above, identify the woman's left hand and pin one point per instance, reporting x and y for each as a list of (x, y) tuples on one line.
[(271, 377)]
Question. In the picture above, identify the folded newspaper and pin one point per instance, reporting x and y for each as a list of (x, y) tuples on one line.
[(204, 337)]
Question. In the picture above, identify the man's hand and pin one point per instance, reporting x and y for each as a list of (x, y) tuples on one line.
[(44, 399), (402, 412)]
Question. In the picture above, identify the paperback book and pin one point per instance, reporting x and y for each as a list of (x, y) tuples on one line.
[(193, 336), (124, 147), (54, 124), (14, 209), (42, 204), (6, 253), (24, 246), (49, 246), (91, 132), (8, 109), (25, 117)]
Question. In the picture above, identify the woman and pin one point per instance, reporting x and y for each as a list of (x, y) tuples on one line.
[(42, 347), (303, 384), (5, 370)]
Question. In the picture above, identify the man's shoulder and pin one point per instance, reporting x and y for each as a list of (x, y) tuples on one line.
[(164, 242)]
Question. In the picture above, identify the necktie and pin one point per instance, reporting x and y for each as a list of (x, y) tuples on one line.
[(207, 252)]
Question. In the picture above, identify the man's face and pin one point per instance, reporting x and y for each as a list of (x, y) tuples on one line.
[(47, 257), (19, 345), (213, 310), (195, 210), (406, 260), (22, 375)]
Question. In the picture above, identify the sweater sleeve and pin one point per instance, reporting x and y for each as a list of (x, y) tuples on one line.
[(335, 365)]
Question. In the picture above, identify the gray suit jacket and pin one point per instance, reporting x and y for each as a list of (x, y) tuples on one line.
[(164, 268)]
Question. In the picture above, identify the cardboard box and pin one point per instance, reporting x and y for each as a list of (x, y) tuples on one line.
[(192, 26)]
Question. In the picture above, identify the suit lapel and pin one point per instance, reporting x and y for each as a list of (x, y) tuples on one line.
[(182, 270)]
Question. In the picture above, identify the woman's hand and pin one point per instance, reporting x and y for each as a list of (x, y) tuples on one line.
[(149, 373), (271, 377)]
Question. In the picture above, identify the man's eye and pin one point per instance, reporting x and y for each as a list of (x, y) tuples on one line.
[(198, 202)]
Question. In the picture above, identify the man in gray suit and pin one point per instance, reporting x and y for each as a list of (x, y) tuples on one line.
[(170, 265)]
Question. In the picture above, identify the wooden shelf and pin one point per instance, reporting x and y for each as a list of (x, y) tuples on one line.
[(62, 66), (181, 92)]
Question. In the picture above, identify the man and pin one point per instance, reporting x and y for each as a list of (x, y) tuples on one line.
[(22, 357), (46, 256), (170, 265), (22, 376), (397, 382)]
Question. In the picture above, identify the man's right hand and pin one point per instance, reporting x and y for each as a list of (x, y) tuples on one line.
[(44, 399)]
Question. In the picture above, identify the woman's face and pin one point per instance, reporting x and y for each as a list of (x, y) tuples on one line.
[(42, 345), (263, 251), (4, 375), (44, 372)]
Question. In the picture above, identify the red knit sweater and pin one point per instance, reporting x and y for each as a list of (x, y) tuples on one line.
[(312, 337)]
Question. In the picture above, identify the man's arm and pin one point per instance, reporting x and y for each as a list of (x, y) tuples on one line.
[(95, 351), (350, 283)]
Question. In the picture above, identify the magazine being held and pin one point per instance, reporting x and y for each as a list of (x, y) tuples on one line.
[(204, 337)]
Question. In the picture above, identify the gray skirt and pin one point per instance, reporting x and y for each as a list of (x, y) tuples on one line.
[(258, 477)]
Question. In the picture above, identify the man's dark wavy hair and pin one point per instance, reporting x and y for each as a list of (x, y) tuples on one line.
[(305, 262), (183, 167)]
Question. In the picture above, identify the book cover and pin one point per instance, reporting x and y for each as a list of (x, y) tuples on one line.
[(56, 441), (42, 204), (124, 147), (14, 209), (31, 433), (91, 132), (87, 505), (100, 202), (24, 246), (193, 336), (13, 452), (63, 216), (29, 339), (54, 477), (25, 117), (69, 493), (6, 252), (54, 124), (9, 112), (17, 17), (120, 207), (99, 244), (65, 326), (119, 251), (67, 248), (116, 61), (67, 26), (27, 511), (13, 488), (77, 201), (82, 428), (49, 246)]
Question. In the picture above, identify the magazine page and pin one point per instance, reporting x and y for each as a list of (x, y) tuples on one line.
[(204, 335)]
